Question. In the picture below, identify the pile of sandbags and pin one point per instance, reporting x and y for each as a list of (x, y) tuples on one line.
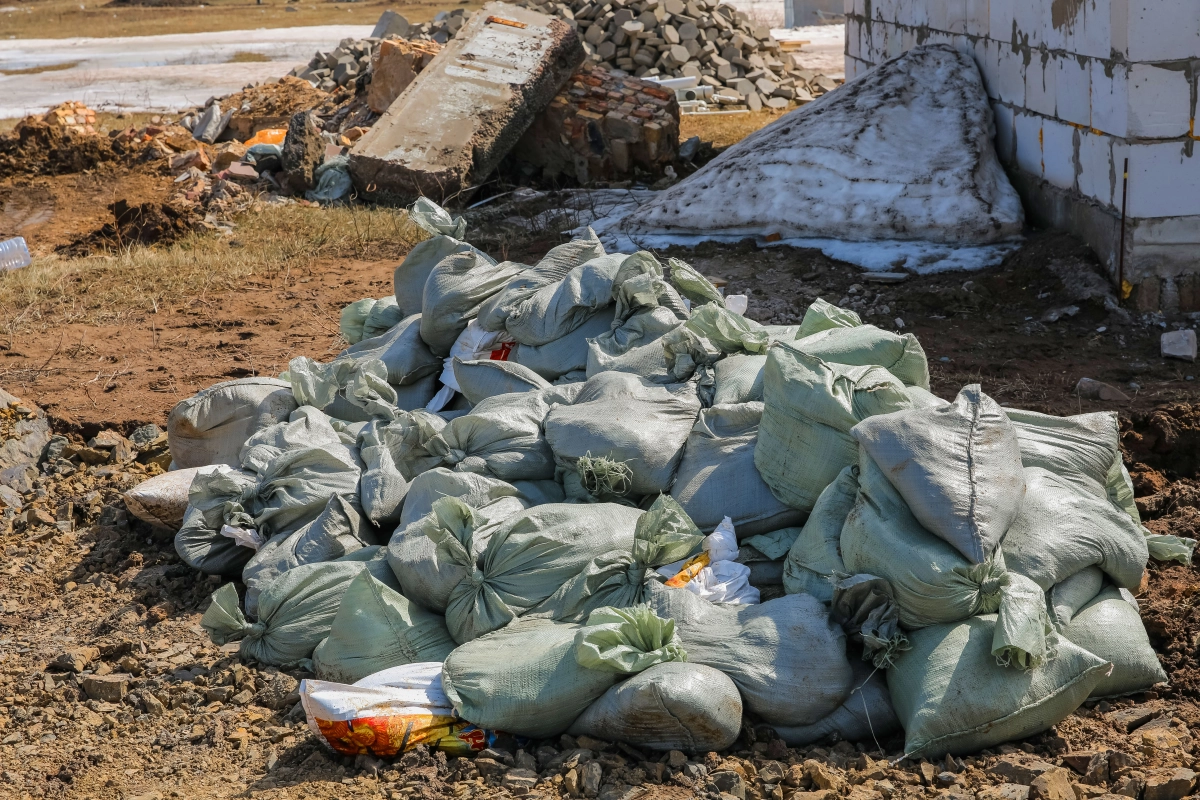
[(664, 518)]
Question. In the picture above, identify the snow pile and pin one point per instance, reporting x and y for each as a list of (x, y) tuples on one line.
[(903, 152)]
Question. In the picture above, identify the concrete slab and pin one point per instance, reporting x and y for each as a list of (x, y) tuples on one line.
[(464, 112)]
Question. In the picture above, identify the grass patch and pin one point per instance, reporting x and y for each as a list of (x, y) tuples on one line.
[(724, 129), (247, 57), (41, 69), (271, 244)]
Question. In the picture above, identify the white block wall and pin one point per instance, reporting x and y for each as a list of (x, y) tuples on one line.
[(1077, 86)]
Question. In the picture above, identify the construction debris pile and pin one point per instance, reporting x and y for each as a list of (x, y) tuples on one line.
[(588, 496)]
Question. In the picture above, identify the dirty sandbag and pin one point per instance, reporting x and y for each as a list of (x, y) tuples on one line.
[(738, 378), (804, 438), (709, 334), (534, 677), (671, 706), (626, 419), (340, 529), (390, 712), (456, 289), (957, 467), (429, 576), (662, 535), (866, 716), (1109, 626), (347, 389), (692, 285), (786, 656), (528, 557), (295, 611), (473, 489), (865, 607), (823, 315), (634, 345), (377, 628), (1061, 530), (567, 354), (550, 270), (401, 349), (479, 380), (865, 345), (211, 426), (714, 574), (435, 220), (951, 696), (162, 500), (717, 478), (409, 278), (554, 311), (815, 559), (639, 284), (300, 464), (368, 318), (217, 499), (501, 437), (771, 546), (1068, 596), (393, 454), (333, 181)]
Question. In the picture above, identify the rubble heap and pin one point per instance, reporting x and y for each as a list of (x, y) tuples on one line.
[(714, 42)]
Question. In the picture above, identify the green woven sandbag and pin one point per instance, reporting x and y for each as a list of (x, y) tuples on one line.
[(804, 439), (863, 345), (823, 315), (1111, 628), (738, 379), (377, 628), (952, 696), (534, 677), (815, 559)]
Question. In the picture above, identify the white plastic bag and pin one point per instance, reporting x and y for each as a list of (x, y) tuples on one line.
[(714, 574)]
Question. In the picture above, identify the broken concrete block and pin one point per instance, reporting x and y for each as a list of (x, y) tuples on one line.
[(467, 109), (107, 688), (395, 66), (303, 151), (390, 24), (1179, 344)]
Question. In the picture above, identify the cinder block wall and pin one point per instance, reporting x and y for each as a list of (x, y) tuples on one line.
[(1077, 87)]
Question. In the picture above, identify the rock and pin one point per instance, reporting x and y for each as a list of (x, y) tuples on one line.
[(107, 688), (591, 744), (771, 772), (278, 690), (154, 707), (1131, 785), (24, 445), (1091, 389), (146, 434), (1179, 344), (1085, 791), (76, 659), (242, 698), (818, 795), (219, 694), (945, 780), (1164, 733), (390, 24), (1168, 784), (676, 759), (729, 782), (821, 776), (519, 781), (227, 154), (1015, 769), (302, 152), (1055, 314), (526, 761), (884, 277), (489, 767), (1130, 719), (1053, 784), (1005, 791), (589, 778), (928, 773)]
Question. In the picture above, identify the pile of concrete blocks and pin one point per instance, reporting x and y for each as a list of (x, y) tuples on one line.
[(603, 126), (340, 66), (1079, 89), (714, 42)]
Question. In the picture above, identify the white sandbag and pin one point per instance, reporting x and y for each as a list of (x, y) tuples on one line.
[(502, 437), (550, 271), (162, 500), (709, 334), (473, 489), (211, 426), (714, 574), (822, 315), (377, 628), (866, 716), (368, 318), (786, 657), (554, 311), (957, 467), (634, 346), (1068, 596), (568, 353), (410, 276), (865, 345), (1061, 530), (393, 455), (952, 697), (626, 419), (456, 289), (479, 380), (671, 706), (738, 379), (217, 499), (717, 478), (296, 610), (815, 559), (401, 349), (804, 439), (1110, 627)]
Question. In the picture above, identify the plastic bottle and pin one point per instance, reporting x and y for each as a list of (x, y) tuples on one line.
[(14, 254)]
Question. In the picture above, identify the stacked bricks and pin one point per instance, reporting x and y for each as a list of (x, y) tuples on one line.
[(603, 126), (72, 117), (1077, 87)]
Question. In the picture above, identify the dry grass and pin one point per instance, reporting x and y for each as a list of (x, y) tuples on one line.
[(725, 129), (57, 19), (268, 244), (105, 120), (40, 70), (246, 57)]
